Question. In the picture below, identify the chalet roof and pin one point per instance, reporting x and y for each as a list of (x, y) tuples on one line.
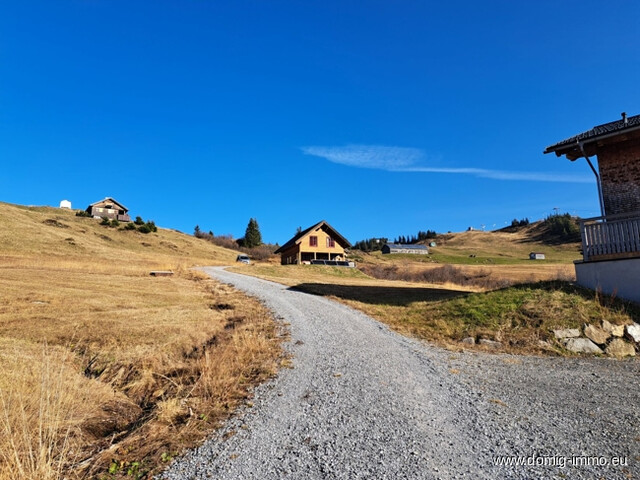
[(297, 238), (405, 246), (571, 146), (111, 200)]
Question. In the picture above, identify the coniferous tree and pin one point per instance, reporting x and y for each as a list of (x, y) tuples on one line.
[(252, 236)]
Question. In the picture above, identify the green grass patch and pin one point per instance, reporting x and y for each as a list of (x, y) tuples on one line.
[(553, 255), (520, 317)]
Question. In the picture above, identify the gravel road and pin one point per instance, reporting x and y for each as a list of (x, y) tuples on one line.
[(364, 402)]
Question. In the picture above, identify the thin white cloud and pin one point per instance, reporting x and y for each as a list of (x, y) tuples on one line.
[(403, 159), (368, 156)]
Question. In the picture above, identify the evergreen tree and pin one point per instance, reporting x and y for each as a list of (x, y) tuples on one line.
[(196, 232), (252, 236)]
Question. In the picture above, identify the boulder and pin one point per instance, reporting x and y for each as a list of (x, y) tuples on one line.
[(633, 332), (596, 334), (582, 345), (544, 345), (566, 333), (614, 330), (469, 341), (489, 343), (619, 348)]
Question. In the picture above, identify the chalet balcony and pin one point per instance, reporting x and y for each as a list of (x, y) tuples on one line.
[(611, 237)]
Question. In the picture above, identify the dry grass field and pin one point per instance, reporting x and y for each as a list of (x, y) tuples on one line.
[(502, 256), (108, 372)]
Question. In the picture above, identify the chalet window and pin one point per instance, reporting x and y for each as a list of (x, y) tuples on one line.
[(313, 241), (331, 243)]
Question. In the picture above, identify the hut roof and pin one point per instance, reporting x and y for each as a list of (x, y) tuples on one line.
[(297, 238), (571, 147), (109, 199)]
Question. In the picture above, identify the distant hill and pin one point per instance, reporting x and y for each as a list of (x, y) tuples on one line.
[(510, 245), (555, 230), (47, 232)]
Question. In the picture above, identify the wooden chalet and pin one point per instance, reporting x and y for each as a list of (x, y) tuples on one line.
[(610, 242), (109, 208), (318, 242)]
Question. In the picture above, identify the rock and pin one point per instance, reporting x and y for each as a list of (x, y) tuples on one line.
[(469, 340), (566, 333), (614, 330), (619, 348), (597, 335), (582, 345), (489, 343), (633, 332)]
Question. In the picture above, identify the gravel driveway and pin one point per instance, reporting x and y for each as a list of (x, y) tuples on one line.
[(364, 402)]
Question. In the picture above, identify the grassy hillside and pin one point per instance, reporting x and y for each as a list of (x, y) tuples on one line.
[(50, 233), (501, 257), (501, 247), (107, 372)]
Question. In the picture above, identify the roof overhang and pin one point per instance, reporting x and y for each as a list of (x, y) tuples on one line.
[(587, 143), (112, 200)]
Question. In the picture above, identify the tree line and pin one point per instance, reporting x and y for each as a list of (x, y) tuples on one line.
[(376, 243), (252, 236)]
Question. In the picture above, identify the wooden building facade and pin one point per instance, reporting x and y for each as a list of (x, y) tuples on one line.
[(611, 242), (109, 208), (318, 242)]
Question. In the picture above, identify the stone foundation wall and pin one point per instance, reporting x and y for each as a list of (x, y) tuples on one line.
[(614, 340)]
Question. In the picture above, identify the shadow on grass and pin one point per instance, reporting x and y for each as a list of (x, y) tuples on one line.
[(399, 296), (402, 296)]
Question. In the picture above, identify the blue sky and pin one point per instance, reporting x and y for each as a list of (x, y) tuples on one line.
[(382, 117)]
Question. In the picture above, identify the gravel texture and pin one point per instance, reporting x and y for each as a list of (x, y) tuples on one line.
[(364, 402)]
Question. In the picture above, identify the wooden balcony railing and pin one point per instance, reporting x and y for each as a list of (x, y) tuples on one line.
[(611, 237)]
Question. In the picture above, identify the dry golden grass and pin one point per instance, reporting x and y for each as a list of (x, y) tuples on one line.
[(43, 403), (294, 275), (500, 247), (484, 277), (502, 254), (493, 258), (105, 369)]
